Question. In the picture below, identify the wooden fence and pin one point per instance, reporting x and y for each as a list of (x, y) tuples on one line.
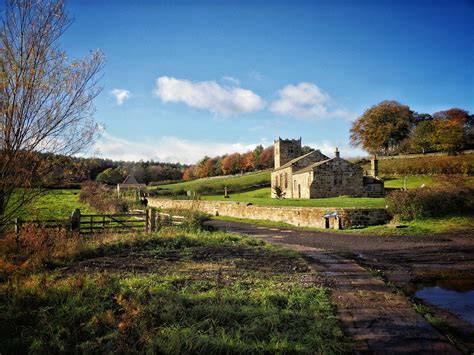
[(139, 220)]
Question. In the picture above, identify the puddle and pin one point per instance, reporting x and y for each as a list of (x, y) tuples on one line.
[(455, 296)]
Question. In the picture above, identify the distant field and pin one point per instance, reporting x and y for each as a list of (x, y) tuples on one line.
[(55, 204)]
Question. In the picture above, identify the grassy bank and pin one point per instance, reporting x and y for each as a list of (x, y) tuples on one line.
[(173, 292), (216, 185)]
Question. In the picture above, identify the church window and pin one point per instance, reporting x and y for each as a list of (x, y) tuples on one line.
[(286, 180), (276, 181), (290, 150)]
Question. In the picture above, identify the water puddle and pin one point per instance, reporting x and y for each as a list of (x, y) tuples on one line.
[(455, 296)]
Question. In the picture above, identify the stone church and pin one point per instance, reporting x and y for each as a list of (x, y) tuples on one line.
[(314, 175)]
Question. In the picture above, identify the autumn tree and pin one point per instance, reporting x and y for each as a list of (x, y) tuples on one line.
[(45, 98), (423, 137), (247, 162), (231, 164), (266, 160), (382, 127)]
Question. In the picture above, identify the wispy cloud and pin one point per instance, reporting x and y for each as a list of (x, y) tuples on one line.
[(308, 102), (231, 79), (164, 149), (120, 95), (208, 95)]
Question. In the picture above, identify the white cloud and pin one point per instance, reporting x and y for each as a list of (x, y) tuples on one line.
[(120, 95), (209, 95), (308, 102), (164, 149)]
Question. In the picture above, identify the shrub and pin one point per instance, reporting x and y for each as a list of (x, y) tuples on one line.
[(102, 198), (193, 219), (431, 201), (426, 165), (33, 247)]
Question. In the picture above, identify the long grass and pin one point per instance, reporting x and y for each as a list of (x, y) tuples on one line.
[(200, 292)]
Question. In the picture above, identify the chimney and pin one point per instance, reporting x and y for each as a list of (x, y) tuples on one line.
[(337, 153), (375, 166)]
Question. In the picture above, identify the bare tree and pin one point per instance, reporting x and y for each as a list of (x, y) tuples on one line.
[(45, 98)]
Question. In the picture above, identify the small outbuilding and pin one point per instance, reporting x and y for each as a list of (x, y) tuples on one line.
[(130, 184)]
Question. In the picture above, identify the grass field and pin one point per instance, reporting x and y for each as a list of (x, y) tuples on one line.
[(55, 204), (173, 292), (217, 184), (260, 197)]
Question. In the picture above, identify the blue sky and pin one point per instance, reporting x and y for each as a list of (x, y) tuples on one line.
[(187, 78)]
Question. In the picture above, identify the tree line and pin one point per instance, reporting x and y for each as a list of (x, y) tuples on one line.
[(258, 159), (390, 128)]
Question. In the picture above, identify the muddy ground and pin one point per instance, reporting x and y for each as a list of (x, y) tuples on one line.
[(404, 262)]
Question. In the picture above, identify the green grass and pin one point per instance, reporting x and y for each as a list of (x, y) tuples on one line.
[(55, 204), (217, 184), (410, 182), (428, 226), (260, 197), (204, 293)]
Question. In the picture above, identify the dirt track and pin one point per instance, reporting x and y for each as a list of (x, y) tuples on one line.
[(375, 315)]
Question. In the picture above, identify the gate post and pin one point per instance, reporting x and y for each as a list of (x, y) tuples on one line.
[(151, 219), (75, 221)]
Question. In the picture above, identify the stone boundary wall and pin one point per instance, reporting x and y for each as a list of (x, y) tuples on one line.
[(298, 216)]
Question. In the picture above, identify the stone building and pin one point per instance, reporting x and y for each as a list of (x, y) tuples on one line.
[(314, 175)]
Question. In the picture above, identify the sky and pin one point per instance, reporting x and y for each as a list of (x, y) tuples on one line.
[(184, 79)]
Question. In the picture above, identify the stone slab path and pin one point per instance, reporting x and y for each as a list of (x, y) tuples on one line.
[(378, 320)]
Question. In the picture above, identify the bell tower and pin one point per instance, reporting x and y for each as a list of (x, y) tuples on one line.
[(286, 150)]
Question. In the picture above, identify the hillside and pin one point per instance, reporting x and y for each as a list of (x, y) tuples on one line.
[(216, 185)]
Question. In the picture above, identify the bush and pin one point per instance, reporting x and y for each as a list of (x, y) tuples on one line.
[(431, 201), (427, 165), (193, 219), (101, 198), (34, 247)]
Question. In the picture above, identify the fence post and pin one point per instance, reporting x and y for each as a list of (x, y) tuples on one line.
[(147, 222), (150, 219), (75, 218)]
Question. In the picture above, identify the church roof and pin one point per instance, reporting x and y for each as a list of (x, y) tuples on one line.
[(130, 179), (291, 162), (312, 166)]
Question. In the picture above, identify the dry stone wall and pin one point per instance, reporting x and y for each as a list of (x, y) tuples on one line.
[(298, 216)]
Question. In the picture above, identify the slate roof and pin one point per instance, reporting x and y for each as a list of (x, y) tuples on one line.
[(312, 166), (130, 179), (291, 162)]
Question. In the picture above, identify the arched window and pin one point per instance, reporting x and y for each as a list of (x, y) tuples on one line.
[(286, 180)]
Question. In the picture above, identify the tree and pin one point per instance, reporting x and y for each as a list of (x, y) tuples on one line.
[(247, 162), (110, 176), (382, 127), (266, 160), (422, 138), (45, 99)]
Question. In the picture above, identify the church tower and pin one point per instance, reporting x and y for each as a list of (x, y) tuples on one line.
[(286, 150)]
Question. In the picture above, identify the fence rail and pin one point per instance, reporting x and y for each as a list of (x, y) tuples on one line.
[(140, 220)]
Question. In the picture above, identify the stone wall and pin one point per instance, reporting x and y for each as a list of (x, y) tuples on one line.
[(298, 216), (337, 177)]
